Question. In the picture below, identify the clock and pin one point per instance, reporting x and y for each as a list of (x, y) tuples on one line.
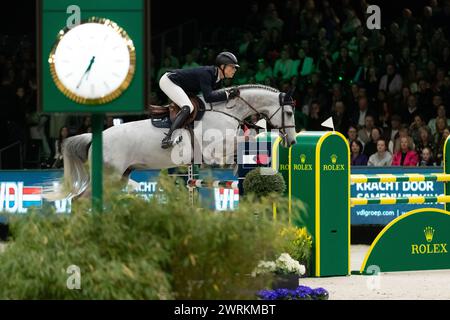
[(94, 62)]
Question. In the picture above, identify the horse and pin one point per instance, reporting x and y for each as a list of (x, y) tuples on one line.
[(137, 144)]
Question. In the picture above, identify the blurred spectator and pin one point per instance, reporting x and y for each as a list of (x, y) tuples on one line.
[(392, 133), (340, 117), (365, 132), (272, 21), (284, 66), (391, 82), (371, 147), (254, 18), (414, 127), (411, 111), (357, 158), (426, 158), (441, 113), (425, 140), (316, 117), (87, 123), (351, 23), (441, 145), (352, 135), (359, 117), (382, 157), (264, 72), (190, 63), (405, 154)]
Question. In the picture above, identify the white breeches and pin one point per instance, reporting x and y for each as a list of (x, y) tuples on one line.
[(174, 92)]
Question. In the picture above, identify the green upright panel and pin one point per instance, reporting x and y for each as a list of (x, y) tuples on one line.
[(320, 179), (447, 171), (280, 163)]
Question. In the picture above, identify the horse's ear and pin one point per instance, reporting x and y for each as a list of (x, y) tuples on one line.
[(289, 93)]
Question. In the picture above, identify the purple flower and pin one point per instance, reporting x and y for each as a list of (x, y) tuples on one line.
[(301, 293)]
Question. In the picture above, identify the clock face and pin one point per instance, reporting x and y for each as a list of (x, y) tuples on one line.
[(94, 62)]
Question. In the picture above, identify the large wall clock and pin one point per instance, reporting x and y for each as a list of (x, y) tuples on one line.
[(93, 62)]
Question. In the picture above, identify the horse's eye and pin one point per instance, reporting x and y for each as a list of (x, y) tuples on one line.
[(289, 113)]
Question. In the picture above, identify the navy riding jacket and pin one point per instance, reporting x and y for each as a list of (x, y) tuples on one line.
[(199, 79)]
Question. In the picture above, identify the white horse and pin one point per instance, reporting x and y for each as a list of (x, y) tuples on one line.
[(137, 145)]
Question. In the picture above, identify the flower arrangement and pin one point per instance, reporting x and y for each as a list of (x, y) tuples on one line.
[(300, 293), (283, 265), (300, 243)]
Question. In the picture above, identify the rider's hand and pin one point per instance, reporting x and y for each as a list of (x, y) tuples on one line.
[(233, 93)]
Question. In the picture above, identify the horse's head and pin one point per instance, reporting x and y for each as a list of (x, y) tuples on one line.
[(277, 108)]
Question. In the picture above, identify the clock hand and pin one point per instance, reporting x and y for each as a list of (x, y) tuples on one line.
[(85, 74)]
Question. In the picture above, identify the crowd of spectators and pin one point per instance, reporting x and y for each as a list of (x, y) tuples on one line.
[(387, 90)]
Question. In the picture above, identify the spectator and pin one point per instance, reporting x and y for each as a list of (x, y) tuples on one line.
[(302, 66), (441, 113), (351, 23), (391, 82), (343, 67), (272, 21), (284, 66), (382, 158), (415, 126), (392, 132), (426, 158), (405, 154), (385, 115), (441, 125), (352, 135), (340, 117), (316, 117), (371, 147), (365, 132), (264, 72), (411, 111), (190, 63), (87, 122), (425, 140), (357, 158), (363, 111), (441, 145)]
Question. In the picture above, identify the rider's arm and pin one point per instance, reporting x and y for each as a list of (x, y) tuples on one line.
[(208, 93)]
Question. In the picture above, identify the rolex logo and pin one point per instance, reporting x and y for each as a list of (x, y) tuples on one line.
[(302, 158), (429, 233), (333, 158)]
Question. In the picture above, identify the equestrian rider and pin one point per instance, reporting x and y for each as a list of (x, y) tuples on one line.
[(207, 79)]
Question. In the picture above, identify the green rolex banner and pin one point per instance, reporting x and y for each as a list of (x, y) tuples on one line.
[(417, 240)]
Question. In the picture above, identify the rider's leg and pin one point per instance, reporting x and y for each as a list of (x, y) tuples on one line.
[(177, 95)]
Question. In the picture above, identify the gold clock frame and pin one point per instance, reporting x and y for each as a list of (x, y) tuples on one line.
[(117, 92)]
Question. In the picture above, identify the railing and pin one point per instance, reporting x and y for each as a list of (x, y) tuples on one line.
[(9, 148)]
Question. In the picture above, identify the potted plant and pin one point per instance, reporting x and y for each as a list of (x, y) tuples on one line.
[(286, 270)]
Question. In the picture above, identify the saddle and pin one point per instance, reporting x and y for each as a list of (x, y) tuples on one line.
[(162, 116)]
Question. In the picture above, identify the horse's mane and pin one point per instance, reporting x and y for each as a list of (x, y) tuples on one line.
[(255, 86)]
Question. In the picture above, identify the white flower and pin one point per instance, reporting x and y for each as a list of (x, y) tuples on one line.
[(285, 264)]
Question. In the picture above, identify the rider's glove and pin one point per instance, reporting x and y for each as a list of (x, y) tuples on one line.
[(233, 93)]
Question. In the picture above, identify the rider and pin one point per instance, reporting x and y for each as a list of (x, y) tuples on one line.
[(206, 79)]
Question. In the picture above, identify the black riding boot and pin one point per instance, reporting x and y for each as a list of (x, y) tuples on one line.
[(181, 117)]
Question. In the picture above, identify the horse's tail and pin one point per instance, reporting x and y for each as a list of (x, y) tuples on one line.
[(76, 175)]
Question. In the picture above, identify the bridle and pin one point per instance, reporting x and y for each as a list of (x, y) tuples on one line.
[(282, 103), (271, 126)]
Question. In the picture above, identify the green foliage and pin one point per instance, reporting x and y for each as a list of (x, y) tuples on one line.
[(137, 249), (299, 244), (260, 184)]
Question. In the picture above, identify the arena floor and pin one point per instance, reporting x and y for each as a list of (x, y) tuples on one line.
[(417, 285)]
